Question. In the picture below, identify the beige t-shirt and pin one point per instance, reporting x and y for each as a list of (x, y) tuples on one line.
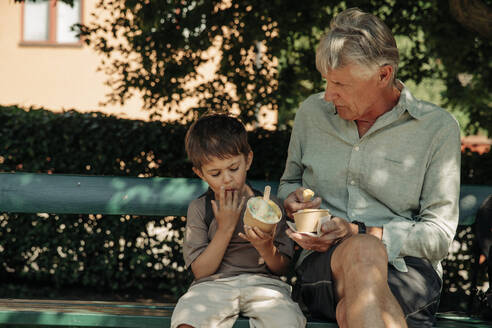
[(240, 256)]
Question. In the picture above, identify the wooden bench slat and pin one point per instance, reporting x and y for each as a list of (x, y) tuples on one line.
[(453, 320), (471, 197), (88, 307), (64, 313), (61, 313), (57, 319), (67, 313), (73, 194), (84, 194)]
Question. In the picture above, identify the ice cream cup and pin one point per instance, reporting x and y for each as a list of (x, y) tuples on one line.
[(250, 218), (308, 220)]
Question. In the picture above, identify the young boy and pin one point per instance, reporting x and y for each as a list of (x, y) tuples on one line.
[(236, 267)]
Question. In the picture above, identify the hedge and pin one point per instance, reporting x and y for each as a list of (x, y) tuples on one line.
[(129, 254)]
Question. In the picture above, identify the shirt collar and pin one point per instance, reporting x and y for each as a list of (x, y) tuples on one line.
[(407, 102)]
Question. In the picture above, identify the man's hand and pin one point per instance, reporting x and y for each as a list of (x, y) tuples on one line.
[(294, 202), (332, 231), (260, 239), (228, 210)]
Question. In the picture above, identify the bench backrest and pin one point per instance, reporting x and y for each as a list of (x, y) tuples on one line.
[(85, 194)]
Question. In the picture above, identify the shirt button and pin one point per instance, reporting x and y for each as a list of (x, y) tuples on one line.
[(352, 182), (356, 148)]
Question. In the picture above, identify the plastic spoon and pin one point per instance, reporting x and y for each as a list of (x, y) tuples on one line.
[(266, 193)]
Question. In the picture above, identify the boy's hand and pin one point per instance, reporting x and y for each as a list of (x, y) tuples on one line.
[(258, 238), (228, 209)]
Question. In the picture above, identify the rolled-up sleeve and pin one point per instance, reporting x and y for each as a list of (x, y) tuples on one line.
[(433, 230)]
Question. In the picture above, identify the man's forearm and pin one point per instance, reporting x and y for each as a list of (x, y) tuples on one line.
[(376, 232)]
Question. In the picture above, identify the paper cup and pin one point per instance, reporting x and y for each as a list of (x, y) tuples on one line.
[(308, 220), (254, 221)]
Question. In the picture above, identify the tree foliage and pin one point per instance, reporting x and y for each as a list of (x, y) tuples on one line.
[(265, 51)]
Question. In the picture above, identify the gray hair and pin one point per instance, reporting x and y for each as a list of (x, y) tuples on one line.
[(357, 37)]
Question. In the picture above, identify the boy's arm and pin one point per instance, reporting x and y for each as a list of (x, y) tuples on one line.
[(209, 261), (263, 242), (226, 213)]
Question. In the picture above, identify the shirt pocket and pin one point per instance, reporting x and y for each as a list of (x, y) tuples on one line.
[(394, 181)]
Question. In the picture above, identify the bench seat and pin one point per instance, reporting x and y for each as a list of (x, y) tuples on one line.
[(68, 313)]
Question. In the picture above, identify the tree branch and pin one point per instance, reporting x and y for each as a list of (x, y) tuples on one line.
[(473, 15)]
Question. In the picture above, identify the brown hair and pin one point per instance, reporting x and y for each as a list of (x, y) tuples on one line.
[(215, 135)]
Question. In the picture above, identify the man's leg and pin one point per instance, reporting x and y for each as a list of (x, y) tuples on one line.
[(360, 270), (418, 291)]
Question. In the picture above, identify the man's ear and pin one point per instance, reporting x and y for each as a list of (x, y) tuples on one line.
[(385, 75), (249, 159), (198, 172)]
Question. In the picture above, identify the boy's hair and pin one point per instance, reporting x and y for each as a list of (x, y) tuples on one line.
[(215, 135)]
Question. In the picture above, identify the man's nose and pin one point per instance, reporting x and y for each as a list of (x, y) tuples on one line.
[(330, 94)]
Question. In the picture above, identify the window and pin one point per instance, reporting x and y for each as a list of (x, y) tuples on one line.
[(50, 22)]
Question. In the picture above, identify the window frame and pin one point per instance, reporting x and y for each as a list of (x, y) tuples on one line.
[(52, 22)]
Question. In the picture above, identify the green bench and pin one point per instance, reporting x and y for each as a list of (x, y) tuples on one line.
[(73, 194)]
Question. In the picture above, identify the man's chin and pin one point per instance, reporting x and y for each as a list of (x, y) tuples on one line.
[(343, 115)]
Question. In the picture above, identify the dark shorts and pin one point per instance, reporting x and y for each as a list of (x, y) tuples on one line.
[(418, 290)]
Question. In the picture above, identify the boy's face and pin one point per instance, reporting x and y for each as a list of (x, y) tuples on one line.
[(229, 172)]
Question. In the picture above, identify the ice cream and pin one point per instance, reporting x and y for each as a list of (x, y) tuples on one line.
[(261, 213), (307, 195)]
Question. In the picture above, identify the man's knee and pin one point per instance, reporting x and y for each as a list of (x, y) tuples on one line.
[(359, 253), (341, 313)]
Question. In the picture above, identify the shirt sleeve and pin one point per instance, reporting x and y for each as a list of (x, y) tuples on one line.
[(196, 233), (431, 232), (292, 177)]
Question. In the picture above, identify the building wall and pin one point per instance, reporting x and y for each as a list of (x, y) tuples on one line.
[(63, 77), (54, 77)]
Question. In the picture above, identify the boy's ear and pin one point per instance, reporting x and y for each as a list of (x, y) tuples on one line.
[(198, 172), (249, 160)]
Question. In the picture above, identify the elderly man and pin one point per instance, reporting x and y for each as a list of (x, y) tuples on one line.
[(387, 166)]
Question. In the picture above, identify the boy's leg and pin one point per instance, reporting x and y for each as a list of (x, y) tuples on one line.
[(208, 304), (268, 303)]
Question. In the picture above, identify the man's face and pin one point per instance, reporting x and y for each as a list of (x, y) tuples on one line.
[(229, 172), (353, 91)]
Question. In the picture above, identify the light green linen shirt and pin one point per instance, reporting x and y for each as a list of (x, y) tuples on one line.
[(402, 175)]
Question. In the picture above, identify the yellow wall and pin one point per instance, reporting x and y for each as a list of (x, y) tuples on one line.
[(61, 77), (53, 77)]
